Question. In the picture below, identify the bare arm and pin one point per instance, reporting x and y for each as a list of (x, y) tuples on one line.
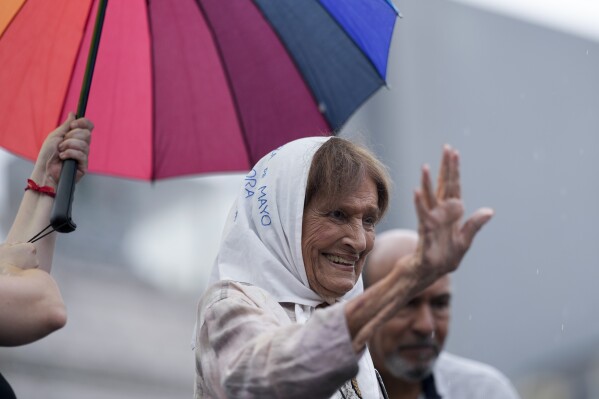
[(31, 306), (69, 140), (443, 242)]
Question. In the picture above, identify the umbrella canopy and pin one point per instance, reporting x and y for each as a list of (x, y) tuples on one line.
[(189, 86)]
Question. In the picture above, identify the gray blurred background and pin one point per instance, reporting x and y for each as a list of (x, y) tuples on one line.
[(518, 97)]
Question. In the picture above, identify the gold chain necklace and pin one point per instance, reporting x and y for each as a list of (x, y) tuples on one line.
[(354, 385), (351, 390)]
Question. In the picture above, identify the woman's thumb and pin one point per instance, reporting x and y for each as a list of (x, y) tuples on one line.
[(62, 129)]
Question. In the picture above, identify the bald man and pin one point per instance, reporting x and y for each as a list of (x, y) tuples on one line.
[(408, 349)]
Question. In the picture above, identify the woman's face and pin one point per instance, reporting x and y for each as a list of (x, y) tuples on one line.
[(336, 239)]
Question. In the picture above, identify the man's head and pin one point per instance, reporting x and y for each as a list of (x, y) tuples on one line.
[(408, 344)]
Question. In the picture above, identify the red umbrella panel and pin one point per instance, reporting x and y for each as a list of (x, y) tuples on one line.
[(189, 86)]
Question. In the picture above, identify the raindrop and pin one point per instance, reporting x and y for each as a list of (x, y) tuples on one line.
[(562, 327), (322, 108), (537, 271), (469, 317), (587, 52)]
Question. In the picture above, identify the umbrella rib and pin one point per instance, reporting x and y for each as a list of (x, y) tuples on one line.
[(15, 15), (153, 88), (229, 83)]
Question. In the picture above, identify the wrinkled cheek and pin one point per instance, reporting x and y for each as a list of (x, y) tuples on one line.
[(358, 272)]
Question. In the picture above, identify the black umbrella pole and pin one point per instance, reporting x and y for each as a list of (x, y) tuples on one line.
[(60, 219), (61, 212)]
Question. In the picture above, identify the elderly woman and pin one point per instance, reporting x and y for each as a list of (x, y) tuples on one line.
[(286, 315)]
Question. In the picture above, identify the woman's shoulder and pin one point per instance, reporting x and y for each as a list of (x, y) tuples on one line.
[(229, 291)]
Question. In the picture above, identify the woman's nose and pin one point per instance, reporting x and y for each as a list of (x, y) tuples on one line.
[(356, 237)]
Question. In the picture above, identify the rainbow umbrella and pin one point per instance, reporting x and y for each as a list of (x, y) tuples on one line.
[(184, 87)]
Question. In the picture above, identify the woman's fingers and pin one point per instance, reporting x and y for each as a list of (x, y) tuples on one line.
[(427, 188), (443, 173), (452, 186), (63, 128), (448, 181), (81, 123), (79, 133), (76, 142), (421, 208), (474, 223)]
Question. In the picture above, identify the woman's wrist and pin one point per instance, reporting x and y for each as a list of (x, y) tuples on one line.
[(380, 302), (41, 178), (44, 190), (415, 267)]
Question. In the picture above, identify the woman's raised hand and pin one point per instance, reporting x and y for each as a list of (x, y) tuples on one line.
[(443, 239)]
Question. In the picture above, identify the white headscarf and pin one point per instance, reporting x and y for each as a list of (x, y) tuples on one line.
[(262, 239)]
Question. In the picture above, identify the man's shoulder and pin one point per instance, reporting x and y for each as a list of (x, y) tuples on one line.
[(466, 376), (468, 368)]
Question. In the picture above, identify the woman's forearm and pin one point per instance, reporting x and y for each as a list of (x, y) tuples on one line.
[(368, 311), (32, 217)]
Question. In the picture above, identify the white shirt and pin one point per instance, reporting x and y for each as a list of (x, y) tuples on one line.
[(460, 378)]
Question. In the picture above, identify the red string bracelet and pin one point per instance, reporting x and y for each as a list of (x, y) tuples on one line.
[(31, 185)]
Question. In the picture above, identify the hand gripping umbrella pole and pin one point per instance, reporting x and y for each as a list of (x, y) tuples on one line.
[(60, 218)]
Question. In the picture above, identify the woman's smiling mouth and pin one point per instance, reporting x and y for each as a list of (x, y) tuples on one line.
[(340, 262)]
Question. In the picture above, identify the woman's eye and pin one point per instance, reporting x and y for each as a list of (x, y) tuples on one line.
[(370, 221), (337, 214)]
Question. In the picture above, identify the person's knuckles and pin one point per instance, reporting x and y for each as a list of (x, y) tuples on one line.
[(454, 206)]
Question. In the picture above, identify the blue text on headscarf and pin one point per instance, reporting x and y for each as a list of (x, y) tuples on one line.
[(250, 182), (263, 207)]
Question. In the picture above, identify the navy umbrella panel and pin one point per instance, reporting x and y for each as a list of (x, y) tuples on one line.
[(359, 19), (340, 47)]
